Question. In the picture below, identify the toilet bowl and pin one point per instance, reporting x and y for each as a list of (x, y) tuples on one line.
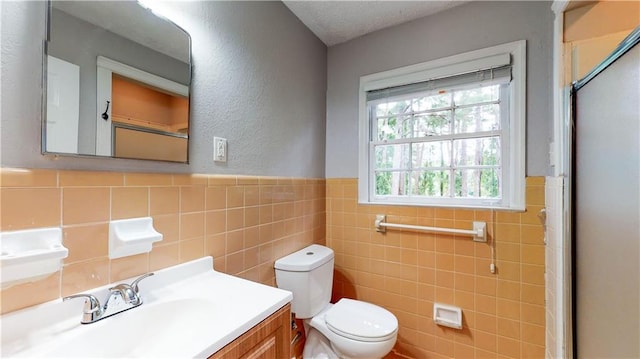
[(347, 329), (357, 329)]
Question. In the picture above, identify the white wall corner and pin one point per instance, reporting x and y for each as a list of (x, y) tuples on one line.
[(555, 253), (559, 6), (555, 292), (558, 144)]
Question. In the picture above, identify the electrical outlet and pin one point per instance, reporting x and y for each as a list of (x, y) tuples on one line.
[(219, 149)]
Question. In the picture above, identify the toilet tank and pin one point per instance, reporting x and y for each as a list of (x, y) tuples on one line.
[(308, 274)]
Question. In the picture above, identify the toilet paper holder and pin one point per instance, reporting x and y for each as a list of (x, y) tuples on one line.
[(447, 315)]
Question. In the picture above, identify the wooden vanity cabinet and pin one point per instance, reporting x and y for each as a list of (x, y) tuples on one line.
[(269, 339)]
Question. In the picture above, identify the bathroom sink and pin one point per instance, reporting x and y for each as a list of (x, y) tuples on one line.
[(135, 332), (192, 317)]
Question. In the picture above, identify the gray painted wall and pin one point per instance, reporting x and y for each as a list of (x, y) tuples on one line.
[(465, 28), (259, 80), (80, 43)]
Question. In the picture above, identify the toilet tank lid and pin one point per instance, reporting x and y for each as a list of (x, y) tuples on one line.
[(305, 259)]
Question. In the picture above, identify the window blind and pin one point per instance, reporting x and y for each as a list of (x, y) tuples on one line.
[(498, 75)]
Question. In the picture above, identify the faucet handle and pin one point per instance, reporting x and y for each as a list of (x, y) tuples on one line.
[(92, 309), (126, 292), (134, 285)]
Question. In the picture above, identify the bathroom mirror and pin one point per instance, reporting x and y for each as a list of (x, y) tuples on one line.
[(117, 82)]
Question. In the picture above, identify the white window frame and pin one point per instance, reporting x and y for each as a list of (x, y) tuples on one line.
[(513, 176)]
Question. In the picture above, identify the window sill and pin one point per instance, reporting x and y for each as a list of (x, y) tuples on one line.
[(496, 207)]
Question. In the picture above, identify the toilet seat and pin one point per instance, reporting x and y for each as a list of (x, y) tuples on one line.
[(361, 321)]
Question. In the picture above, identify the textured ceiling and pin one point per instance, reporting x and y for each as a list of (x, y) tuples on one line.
[(335, 22)]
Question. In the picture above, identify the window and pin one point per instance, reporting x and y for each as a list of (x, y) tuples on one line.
[(448, 132)]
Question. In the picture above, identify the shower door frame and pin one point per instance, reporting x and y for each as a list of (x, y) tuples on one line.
[(570, 190)]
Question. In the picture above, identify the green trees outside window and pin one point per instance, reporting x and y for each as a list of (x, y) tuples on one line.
[(439, 144)]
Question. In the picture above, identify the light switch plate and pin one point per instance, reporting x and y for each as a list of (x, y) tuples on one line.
[(219, 149)]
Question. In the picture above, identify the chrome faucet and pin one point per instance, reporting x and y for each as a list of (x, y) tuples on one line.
[(121, 297)]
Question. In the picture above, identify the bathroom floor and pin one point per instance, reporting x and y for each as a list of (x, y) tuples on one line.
[(393, 355)]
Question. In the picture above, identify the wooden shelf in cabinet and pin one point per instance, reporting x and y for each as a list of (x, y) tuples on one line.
[(141, 123), (269, 339)]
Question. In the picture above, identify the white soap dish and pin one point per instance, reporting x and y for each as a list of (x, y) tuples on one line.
[(447, 315), (30, 254), (133, 236)]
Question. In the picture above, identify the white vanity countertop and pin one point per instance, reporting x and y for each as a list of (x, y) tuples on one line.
[(188, 310)]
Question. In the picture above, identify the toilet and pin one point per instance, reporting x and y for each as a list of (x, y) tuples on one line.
[(347, 329)]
